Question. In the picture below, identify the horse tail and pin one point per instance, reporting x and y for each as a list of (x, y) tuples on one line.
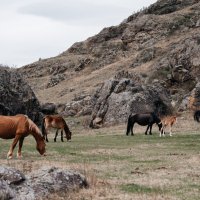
[(128, 125), (43, 128)]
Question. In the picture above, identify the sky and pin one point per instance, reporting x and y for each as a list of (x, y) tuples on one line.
[(33, 29)]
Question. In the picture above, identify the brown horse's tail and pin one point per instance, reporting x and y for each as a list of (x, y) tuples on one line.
[(128, 125), (43, 128)]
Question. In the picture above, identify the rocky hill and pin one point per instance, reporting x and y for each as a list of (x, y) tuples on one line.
[(159, 44)]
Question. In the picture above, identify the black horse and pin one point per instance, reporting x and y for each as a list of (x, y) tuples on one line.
[(145, 119), (197, 115)]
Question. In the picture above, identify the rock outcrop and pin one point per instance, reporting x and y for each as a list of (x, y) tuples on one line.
[(160, 43), (39, 184), (121, 96), (16, 95)]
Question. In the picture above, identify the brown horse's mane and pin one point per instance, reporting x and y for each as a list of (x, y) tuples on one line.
[(34, 130), (33, 127), (66, 127)]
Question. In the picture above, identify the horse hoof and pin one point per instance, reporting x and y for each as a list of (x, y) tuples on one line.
[(9, 157), (19, 157)]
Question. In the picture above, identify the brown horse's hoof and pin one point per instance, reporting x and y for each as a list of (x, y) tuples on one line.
[(19, 156), (9, 157)]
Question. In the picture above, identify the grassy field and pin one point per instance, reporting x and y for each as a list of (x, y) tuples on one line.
[(122, 167)]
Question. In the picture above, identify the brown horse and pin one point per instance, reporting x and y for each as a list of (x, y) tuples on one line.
[(168, 121), (19, 127), (55, 121)]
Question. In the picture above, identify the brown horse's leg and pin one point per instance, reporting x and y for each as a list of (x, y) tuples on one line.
[(162, 132), (62, 136), (56, 135), (46, 133), (170, 130), (19, 153), (10, 152)]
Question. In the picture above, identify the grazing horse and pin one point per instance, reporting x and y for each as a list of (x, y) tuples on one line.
[(168, 121), (144, 119), (197, 115), (55, 121), (19, 127)]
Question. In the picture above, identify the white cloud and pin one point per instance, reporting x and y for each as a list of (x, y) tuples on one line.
[(31, 29)]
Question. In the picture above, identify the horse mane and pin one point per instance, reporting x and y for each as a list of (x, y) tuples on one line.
[(66, 128), (33, 127), (155, 116)]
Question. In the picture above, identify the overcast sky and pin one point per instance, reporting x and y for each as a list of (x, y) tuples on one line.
[(33, 29)]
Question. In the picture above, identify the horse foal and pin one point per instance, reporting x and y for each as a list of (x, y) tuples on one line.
[(168, 121)]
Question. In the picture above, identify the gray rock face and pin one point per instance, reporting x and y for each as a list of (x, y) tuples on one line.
[(16, 95), (117, 98), (191, 99), (168, 6), (39, 184)]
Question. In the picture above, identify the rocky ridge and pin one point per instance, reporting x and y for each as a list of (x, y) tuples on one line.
[(160, 44)]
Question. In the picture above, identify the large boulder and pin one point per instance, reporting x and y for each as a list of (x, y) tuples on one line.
[(16, 95), (39, 184), (118, 97)]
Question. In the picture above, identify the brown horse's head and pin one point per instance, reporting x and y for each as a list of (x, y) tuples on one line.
[(35, 131), (41, 146)]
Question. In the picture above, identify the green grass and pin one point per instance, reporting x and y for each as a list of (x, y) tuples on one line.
[(135, 188), (134, 165)]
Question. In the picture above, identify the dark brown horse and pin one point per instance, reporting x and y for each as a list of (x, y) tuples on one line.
[(55, 121), (19, 127), (143, 119)]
